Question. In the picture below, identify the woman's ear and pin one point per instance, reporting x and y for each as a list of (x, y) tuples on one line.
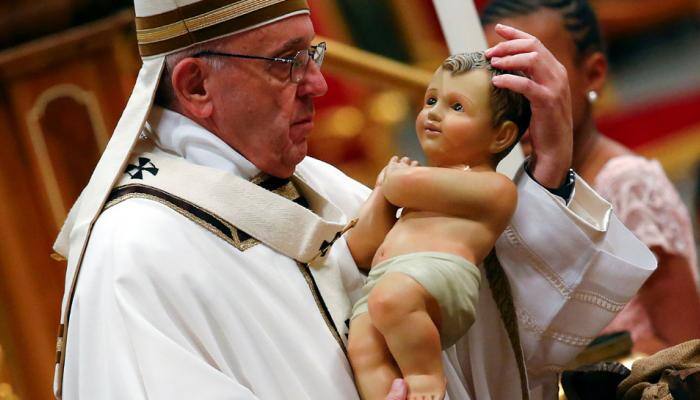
[(189, 79), (506, 134), (595, 70)]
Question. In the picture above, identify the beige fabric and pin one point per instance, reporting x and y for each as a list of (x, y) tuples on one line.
[(657, 392), (641, 384), (264, 215), (450, 279)]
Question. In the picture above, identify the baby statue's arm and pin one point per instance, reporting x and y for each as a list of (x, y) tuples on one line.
[(467, 194), (377, 217)]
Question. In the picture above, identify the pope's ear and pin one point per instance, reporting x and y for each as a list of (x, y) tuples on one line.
[(189, 78), (505, 135)]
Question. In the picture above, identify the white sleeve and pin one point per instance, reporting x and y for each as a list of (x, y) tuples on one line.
[(131, 336), (571, 269)]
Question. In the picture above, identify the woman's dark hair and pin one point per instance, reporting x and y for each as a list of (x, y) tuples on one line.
[(578, 16)]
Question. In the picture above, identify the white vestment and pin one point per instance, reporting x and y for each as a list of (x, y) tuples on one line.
[(164, 309)]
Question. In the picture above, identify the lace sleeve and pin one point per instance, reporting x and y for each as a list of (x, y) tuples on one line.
[(647, 203)]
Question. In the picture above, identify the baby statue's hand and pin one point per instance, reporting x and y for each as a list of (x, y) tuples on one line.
[(394, 164), (461, 167)]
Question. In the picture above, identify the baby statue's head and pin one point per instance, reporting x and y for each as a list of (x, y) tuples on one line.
[(467, 120)]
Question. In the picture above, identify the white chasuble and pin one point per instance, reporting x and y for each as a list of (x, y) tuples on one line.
[(165, 308)]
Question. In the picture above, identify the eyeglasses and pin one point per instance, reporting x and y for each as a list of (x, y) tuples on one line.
[(297, 64)]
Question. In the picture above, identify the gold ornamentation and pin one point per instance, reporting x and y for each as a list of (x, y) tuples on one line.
[(234, 240), (199, 22), (318, 299)]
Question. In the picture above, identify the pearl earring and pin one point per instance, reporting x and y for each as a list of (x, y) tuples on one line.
[(592, 96)]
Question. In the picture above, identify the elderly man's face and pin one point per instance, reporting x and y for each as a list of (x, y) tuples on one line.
[(257, 110)]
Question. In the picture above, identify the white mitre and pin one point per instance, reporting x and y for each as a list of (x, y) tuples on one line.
[(162, 27)]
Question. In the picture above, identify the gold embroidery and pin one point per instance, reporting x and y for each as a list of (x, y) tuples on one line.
[(235, 241), (199, 22), (325, 314), (287, 191)]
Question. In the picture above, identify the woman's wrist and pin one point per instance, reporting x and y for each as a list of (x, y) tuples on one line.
[(549, 173)]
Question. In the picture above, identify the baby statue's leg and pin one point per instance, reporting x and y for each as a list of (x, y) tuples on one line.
[(401, 309), (372, 364)]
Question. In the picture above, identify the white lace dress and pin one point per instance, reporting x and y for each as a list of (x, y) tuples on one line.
[(647, 203)]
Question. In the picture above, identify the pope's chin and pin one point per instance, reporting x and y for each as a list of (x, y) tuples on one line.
[(287, 160), (297, 149)]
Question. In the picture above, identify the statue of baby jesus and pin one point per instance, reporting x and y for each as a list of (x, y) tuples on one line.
[(423, 285)]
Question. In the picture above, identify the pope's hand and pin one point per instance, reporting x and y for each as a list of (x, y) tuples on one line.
[(399, 390), (547, 88)]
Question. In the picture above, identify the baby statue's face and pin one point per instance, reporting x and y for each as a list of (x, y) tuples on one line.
[(455, 126)]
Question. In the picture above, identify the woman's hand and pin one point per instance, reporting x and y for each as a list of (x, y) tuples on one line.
[(547, 88)]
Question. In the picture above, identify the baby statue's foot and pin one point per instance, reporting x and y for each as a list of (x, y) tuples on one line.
[(426, 387)]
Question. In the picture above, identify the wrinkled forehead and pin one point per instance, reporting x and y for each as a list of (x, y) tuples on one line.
[(167, 26), (294, 33)]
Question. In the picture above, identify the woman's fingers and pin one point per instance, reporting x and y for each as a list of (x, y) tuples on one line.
[(534, 92), (510, 33), (510, 47), (525, 62), (534, 65), (524, 52)]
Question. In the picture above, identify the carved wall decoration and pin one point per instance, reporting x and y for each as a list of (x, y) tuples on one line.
[(60, 98), (66, 113)]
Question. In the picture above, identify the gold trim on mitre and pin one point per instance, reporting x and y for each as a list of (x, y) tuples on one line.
[(208, 19)]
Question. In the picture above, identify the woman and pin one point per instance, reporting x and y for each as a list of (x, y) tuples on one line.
[(666, 311)]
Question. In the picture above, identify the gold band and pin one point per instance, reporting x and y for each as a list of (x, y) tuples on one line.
[(188, 25)]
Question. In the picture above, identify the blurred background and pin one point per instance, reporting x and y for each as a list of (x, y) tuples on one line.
[(67, 68)]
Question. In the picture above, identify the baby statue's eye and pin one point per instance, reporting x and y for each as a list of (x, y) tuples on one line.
[(457, 107), (431, 101)]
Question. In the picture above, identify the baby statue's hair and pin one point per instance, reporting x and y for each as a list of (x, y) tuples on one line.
[(506, 105), (464, 62)]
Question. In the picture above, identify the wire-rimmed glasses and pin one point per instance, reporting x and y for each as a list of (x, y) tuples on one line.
[(297, 64)]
